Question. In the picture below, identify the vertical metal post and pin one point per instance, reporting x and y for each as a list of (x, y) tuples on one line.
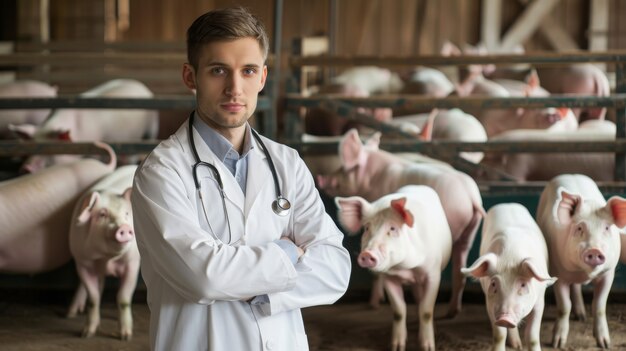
[(620, 116), (269, 122), (332, 33)]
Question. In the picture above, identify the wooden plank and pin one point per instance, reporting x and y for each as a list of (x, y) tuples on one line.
[(491, 20), (558, 37), (599, 25), (527, 23)]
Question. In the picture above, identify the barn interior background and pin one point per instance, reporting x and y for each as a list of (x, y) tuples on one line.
[(78, 44)]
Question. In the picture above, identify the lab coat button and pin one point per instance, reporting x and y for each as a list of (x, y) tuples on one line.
[(269, 344)]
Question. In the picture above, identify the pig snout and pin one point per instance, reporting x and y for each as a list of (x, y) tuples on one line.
[(593, 257), (124, 233), (506, 320), (368, 259)]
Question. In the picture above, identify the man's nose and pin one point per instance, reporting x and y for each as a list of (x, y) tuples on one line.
[(234, 84)]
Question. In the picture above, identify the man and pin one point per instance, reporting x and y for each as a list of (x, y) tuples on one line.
[(223, 270)]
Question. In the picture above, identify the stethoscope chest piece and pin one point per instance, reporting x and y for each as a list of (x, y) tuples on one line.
[(281, 206)]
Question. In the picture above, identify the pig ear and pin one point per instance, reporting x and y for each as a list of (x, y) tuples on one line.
[(568, 205), (532, 79), (351, 150), (531, 270), (126, 194), (449, 49), (617, 205), (350, 212), (484, 266), (399, 206), (427, 130), (87, 206)]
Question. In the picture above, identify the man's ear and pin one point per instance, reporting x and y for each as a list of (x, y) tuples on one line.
[(263, 77), (189, 76)]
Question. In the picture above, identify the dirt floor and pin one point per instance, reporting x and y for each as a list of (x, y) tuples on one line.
[(343, 326)]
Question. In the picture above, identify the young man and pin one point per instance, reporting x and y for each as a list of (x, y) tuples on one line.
[(227, 268)]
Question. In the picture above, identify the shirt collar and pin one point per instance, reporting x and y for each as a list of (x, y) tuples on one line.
[(217, 142)]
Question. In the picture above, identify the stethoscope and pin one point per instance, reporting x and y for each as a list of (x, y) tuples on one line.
[(280, 205)]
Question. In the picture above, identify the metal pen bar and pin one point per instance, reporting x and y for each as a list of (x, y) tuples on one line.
[(156, 103), (24, 148), (556, 58), (412, 101)]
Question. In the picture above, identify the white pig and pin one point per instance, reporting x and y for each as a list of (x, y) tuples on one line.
[(371, 173), (35, 212), (513, 273), (24, 89), (582, 232), (102, 242), (108, 125), (407, 238)]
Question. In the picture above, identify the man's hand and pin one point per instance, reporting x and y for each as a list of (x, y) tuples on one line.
[(300, 250)]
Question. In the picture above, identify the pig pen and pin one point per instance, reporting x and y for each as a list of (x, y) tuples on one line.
[(33, 308)]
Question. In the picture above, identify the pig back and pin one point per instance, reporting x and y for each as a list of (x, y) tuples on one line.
[(36, 210), (510, 230)]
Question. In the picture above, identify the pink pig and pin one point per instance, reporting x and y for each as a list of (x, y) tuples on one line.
[(582, 232), (24, 89), (102, 241), (371, 173), (513, 273), (35, 212), (407, 239)]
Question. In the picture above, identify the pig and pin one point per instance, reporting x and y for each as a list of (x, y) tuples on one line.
[(406, 238), (544, 166), (371, 79), (324, 122), (582, 231), (428, 81), (102, 242), (24, 89), (577, 79), (453, 125), (371, 173), (35, 211), (108, 125), (513, 273)]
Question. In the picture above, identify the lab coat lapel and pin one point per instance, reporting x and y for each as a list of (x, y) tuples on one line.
[(259, 177), (232, 190)]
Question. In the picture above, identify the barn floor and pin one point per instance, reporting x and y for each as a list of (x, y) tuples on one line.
[(343, 326)]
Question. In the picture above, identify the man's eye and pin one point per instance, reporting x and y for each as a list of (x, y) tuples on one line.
[(217, 70), (249, 71)]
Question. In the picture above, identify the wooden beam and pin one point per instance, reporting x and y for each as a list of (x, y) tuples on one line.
[(599, 25), (527, 23), (491, 15), (556, 35)]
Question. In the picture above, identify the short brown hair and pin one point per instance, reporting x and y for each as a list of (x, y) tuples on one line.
[(224, 24)]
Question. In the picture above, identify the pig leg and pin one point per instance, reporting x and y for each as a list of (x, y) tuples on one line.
[(601, 288), (460, 251), (427, 289), (577, 302), (533, 326), (564, 307), (393, 287), (92, 283), (124, 297), (512, 338), (499, 337), (378, 293), (78, 302)]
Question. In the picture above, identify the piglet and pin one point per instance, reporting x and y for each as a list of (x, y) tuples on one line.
[(513, 273), (102, 242), (407, 239), (582, 232)]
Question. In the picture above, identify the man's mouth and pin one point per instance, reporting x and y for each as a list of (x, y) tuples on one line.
[(232, 107)]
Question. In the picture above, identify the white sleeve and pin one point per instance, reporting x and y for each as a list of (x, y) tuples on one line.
[(324, 269), (187, 258)]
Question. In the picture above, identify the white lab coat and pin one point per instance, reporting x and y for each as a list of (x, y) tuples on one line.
[(197, 286)]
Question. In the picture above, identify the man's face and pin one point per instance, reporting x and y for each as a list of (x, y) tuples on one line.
[(229, 77)]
